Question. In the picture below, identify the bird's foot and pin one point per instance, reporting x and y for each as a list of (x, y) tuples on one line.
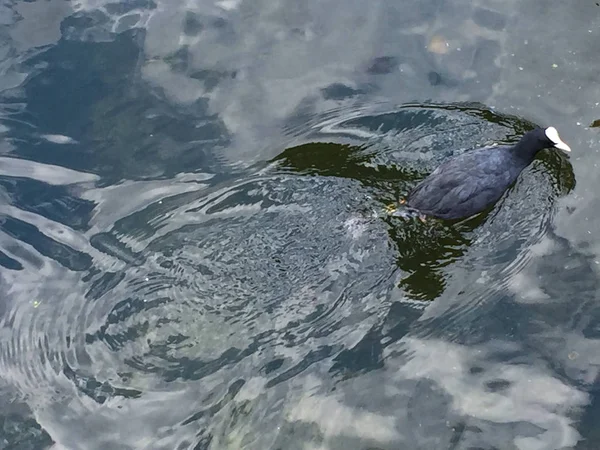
[(391, 208)]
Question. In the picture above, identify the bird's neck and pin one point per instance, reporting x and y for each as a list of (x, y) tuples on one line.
[(525, 152)]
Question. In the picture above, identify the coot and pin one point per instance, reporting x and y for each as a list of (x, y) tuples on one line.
[(469, 183)]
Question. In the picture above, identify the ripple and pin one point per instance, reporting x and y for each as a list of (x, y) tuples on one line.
[(164, 286), (228, 295), (397, 148), (231, 265)]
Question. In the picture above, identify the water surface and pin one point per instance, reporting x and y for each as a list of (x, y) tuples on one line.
[(194, 249)]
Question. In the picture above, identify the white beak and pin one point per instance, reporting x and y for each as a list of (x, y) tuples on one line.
[(561, 145), (556, 140)]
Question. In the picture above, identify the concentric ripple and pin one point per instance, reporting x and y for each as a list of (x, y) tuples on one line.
[(227, 299)]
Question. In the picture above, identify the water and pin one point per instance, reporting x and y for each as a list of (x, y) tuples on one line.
[(194, 249)]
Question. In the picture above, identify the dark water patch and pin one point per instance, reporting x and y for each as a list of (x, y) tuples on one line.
[(311, 358), (339, 91), (212, 78), (65, 255), (272, 365), (193, 25), (424, 249), (99, 392), (232, 391), (124, 130), (434, 78), (497, 385), (55, 203), (9, 263), (486, 54), (398, 121), (365, 356), (104, 284), (111, 245), (382, 65), (116, 340), (588, 425), (398, 321), (188, 369), (23, 434)]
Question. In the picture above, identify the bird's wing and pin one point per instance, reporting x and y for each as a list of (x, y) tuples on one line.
[(446, 188)]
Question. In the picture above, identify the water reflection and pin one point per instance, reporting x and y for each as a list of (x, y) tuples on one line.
[(236, 296), (192, 246)]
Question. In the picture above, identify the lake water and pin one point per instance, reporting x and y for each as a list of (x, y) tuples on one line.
[(194, 248)]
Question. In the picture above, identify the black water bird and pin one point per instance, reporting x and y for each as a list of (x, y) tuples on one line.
[(467, 184)]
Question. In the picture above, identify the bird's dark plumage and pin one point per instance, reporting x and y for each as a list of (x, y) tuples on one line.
[(468, 184)]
